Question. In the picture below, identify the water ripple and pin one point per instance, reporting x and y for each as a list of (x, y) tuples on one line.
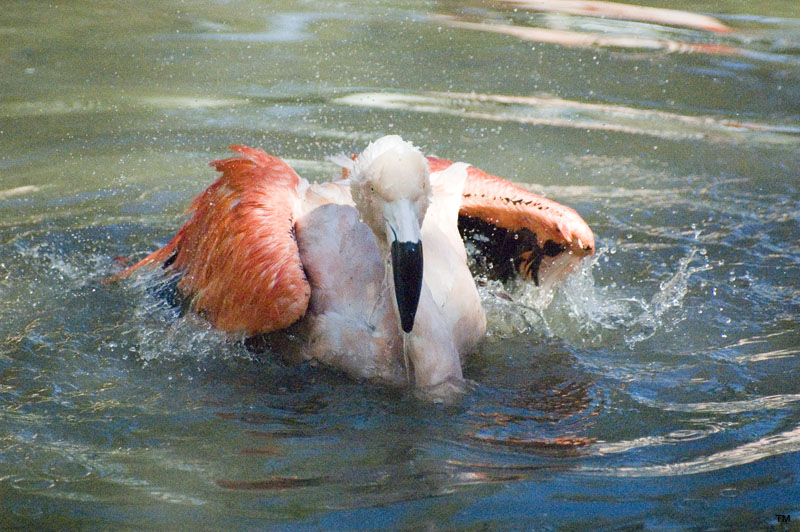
[(775, 445), (758, 404), (558, 112), (647, 442)]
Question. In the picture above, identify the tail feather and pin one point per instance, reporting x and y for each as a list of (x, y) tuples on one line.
[(158, 256)]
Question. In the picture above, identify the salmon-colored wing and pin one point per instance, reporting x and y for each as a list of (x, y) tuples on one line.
[(513, 228), (237, 253)]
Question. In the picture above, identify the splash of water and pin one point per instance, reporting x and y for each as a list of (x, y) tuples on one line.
[(584, 313), (164, 331), (579, 311)]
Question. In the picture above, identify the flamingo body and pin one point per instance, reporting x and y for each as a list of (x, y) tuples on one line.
[(351, 323), (263, 250)]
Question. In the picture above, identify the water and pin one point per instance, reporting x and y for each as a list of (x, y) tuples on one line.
[(657, 389)]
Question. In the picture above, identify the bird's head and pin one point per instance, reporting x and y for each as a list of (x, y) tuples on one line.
[(390, 182)]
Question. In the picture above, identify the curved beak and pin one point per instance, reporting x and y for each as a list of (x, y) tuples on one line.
[(405, 239)]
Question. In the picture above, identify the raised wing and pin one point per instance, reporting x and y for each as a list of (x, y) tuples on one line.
[(237, 255), (515, 231)]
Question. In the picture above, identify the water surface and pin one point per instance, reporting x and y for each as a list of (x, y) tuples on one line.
[(657, 389)]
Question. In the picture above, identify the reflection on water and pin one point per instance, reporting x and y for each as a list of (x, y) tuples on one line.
[(612, 10), (656, 388)]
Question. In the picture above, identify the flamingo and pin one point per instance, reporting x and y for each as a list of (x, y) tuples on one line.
[(340, 263)]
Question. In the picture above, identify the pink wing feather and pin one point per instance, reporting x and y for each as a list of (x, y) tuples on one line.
[(237, 253), (503, 204)]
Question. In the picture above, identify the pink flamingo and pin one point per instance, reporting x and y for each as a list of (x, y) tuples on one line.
[(342, 262)]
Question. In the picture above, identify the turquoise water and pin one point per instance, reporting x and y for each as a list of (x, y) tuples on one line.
[(657, 389)]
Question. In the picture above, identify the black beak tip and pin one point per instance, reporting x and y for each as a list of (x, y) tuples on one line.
[(407, 272), (407, 322)]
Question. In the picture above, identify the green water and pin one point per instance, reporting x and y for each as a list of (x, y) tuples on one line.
[(658, 389)]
